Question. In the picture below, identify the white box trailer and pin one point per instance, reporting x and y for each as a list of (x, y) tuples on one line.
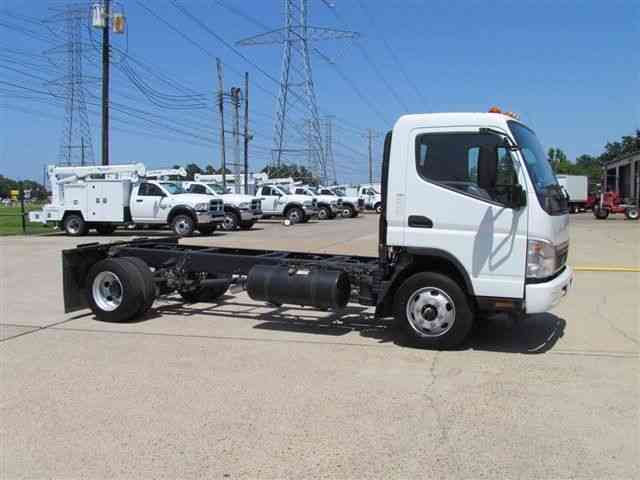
[(577, 187)]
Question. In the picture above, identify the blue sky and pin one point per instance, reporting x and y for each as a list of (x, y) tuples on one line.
[(569, 68)]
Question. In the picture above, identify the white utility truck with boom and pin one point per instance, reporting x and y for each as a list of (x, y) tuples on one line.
[(328, 205), (104, 197), (473, 221), (240, 211), (351, 205)]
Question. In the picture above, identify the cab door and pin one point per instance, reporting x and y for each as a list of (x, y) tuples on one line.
[(268, 200), (146, 204), (459, 186)]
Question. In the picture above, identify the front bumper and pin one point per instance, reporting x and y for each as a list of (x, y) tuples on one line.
[(541, 297), (205, 218)]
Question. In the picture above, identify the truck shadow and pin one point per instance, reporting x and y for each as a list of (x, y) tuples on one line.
[(534, 334)]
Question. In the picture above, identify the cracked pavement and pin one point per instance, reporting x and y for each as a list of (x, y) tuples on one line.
[(243, 390)]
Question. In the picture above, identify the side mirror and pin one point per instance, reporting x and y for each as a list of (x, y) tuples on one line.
[(518, 197)]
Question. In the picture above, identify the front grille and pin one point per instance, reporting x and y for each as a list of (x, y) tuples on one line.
[(256, 205), (361, 202), (339, 202), (216, 205), (562, 253)]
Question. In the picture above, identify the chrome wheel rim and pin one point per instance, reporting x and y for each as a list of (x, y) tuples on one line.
[(183, 226), (431, 312), (229, 222), (73, 226), (107, 291), (346, 212), (322, 214), (633, 213)]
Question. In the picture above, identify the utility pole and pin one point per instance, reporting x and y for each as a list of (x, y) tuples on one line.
[(246, 133), (82, 151), (236, 94), (105, 84), (370, 135), (221, 108)]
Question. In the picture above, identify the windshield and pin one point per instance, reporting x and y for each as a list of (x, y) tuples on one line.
[(172, 188), (339, 192), (216, 188), (284, 189), (548, 191)]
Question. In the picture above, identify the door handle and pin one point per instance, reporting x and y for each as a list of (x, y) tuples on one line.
[(418, 221), (139, 200)]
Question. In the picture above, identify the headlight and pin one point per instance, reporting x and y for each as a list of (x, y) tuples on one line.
[(201, 206), (244, 206), (541, 259)]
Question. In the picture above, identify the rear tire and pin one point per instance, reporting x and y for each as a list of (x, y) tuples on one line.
[(600, 213), (207, 229), (378, 207), (183, 225), (114, 290), (632, 213), (75, 225), (433, 311), (147, 281), (105, 228)]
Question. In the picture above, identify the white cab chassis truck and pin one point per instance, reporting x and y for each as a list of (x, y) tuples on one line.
[(328, 205), (473, 222), (240, 211), (279, 201), (104, 197)]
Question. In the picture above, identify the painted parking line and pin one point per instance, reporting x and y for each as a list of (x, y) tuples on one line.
[(600, 268)]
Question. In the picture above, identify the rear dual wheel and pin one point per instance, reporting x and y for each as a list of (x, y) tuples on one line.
[(120, 289), (632, 213)]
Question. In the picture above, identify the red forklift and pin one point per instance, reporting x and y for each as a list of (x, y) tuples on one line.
[(608, 202)]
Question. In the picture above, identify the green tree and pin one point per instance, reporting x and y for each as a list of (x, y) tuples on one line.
[(192, 169), (297, 172), (559, 161)]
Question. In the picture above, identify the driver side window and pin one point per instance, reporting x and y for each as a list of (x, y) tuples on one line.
[(150, 190), (475, 164)]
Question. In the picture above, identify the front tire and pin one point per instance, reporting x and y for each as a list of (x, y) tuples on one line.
[(231, 221), (378, 207), (324, 213), (349, 212), (295, 215), (75, 225), (632, 213), (115, 291), (433, 310), (183, 225)]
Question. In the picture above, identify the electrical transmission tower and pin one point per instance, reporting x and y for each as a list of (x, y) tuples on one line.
[(290, 142), (328, 150), (76, 146)]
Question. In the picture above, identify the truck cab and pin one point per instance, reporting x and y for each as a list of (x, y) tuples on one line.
[(476, 192), (166, 202), (329, 205), (279, 201), (240, 211)]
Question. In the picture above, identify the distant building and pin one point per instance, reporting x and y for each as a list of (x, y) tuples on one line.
[(623, 176)]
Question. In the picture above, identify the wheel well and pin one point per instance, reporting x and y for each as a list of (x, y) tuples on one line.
[(181, 210), (72, 212), (289, 207), (416, 263)]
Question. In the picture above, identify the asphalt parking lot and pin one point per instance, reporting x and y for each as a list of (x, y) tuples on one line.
[(241, 390)]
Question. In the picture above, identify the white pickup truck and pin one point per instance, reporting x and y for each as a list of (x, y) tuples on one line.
[(240, 211), (329, 205), (104, 197), (279, 201), (351, 206), (372, 198)]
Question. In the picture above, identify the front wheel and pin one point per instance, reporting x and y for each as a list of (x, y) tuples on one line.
[(348, 211), (433, 310), (378, 207), (231, 221), (295, 215), (183, 225), (632, 213), (324, 213)]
